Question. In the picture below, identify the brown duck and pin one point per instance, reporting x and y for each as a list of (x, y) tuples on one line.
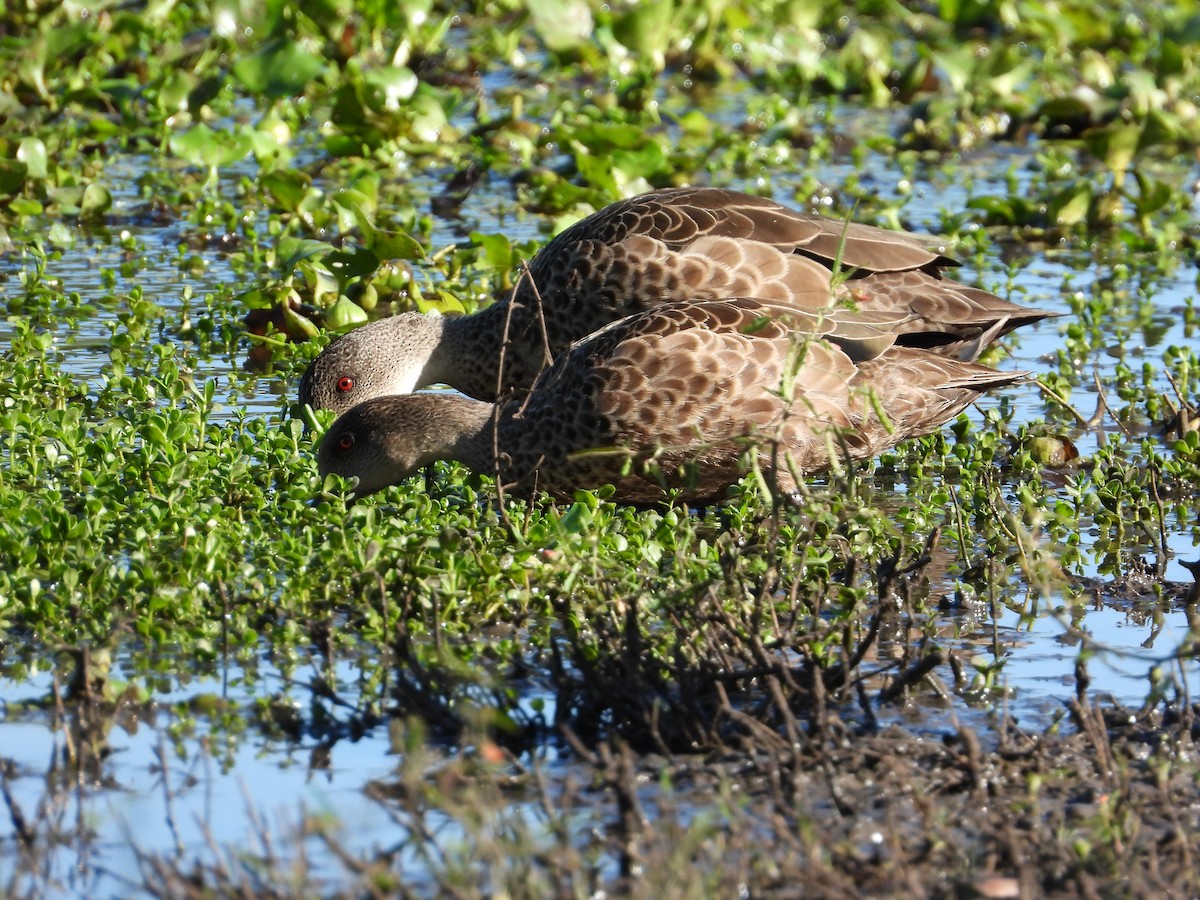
[(667, 246), (683, 396)]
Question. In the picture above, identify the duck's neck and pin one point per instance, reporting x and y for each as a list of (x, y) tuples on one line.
[(472, 350), (466, 355), (467, 431), (488, 439), (412, 343)]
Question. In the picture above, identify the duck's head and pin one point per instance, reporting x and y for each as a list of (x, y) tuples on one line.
[(382, 441), (389, 356)]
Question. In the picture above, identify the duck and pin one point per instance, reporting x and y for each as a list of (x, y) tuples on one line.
[(665, 246), (678, 400)]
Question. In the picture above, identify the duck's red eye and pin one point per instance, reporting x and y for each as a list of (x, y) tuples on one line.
[(345, 441), (345, 384)]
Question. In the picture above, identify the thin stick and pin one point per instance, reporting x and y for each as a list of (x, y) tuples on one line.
[(504, 344), (547, 355), (1061, 401)]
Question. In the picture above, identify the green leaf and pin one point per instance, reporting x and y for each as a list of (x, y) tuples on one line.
[(66, 198), (96, 200), (959, 64), (320, 280), (561, 24), (347, 264), (1171, 58), (60, 235), (1159, 129), (27, 206), (601, 137), (12, 176), (648, 160), (1153, 194), (175, 89), (1006, 84), (441, 301), (576, 519), (1071, 208), (496, 250), (390, 87), (32, 152), (695, 123), (395, 245), (1143, 91), (205, 147), (280, 68), (645, 30), (291, 251), (1116, 145), (345, 314), (269, 146), (429, 123), (102, 128), (68, 40), (359, 205), (296, 326), (383, 243), (257, 298), (288, 187), (598, 170)]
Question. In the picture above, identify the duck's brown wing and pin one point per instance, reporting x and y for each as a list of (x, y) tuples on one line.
[(664, 398), (680, 216), (693, 381), (694, 374), (920, 307), (913, 393), (694, 244)]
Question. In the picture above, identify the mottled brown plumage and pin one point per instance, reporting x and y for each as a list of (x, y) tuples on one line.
[(676, 397), (667, 246)]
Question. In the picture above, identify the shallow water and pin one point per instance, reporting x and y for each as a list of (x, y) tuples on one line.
[(232, 791), (177, 787)]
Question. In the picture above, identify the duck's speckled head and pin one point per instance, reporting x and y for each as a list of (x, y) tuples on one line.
[(389, 356), (382, 441)]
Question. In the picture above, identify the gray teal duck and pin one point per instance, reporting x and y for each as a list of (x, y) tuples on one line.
[(681, 396), (667, 246)]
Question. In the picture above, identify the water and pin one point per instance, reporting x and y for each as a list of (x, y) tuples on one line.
[(226, 788)]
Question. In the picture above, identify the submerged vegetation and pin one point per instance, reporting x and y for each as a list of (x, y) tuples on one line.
[(581, 696)]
